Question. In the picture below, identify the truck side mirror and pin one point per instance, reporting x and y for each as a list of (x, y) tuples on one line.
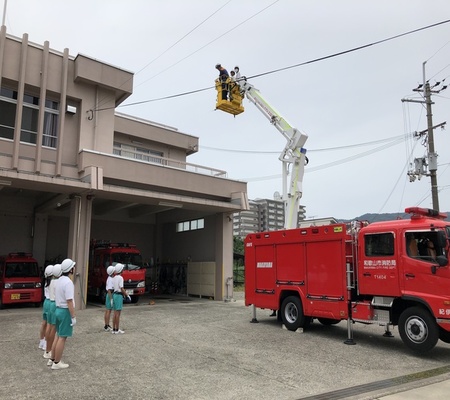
[(442, 262)]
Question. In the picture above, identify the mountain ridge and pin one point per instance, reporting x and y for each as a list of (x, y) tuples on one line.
[(376, 217)]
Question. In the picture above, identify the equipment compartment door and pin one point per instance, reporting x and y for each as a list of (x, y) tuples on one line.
[(265, 273), (265, 268), (325, 266)]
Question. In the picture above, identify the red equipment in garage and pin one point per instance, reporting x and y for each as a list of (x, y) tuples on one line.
[(103, 253)]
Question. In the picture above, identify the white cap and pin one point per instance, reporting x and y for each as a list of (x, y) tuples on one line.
[(67, 265), (119, 268), (57, 270), (110, 270), (48, 271)]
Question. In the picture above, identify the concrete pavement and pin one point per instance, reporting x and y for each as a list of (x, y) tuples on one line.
[(190, 348)]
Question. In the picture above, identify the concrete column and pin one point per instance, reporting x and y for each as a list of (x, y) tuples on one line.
[(42, 97), (62, 111), (2, 49), (224, 257), (19, 109), (78, 246)]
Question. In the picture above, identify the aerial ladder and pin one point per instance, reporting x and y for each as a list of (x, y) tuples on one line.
[(293, 157)]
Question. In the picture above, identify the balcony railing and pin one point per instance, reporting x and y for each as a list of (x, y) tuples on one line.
[(169, 162)]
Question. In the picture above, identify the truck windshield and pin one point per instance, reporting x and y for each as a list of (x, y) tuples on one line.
[(21, 270), (131, 261)]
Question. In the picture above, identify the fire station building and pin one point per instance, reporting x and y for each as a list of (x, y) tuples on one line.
[(73, 169)]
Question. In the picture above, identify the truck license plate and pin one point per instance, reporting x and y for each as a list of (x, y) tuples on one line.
[(15, 296), (129, 291)]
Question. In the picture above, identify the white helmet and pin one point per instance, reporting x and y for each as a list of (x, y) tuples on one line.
[(57, 270), (110, 270), (119, 268), (67, 265), (48, 271)]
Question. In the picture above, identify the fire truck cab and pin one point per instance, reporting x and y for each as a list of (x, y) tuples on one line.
[(20, 280), (103, 253), (392, 273)]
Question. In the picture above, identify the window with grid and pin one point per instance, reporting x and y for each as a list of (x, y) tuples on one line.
[(30, 116)]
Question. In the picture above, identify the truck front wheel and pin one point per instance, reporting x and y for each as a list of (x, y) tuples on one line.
[(444, 335), (292, 313), (418, 329)]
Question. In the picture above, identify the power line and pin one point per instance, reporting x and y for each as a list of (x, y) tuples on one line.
[(333, 163), (170, 47), (212, 41), (346, 147), (289, 67)]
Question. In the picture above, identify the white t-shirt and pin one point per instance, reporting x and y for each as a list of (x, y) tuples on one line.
[(64, 291), (51, 289), (118, 283), (46, 291), (109, 283)]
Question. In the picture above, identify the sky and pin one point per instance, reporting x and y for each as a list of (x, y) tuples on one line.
[(360, 132)]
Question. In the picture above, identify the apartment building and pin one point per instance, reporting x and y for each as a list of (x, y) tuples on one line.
[(262, 215)]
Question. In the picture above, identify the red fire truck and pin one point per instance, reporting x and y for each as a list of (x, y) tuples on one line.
[(20, 280), (103, 253), (393, 273)]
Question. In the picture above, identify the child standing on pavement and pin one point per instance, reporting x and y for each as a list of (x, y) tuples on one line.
[(65, 312), (51, 317), (119, 293), (109, 287), (48, 276)]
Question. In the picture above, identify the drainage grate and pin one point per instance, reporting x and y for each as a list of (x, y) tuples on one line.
[(370, 387)]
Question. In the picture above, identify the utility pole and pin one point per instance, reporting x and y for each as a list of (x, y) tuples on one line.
[(431, 162)]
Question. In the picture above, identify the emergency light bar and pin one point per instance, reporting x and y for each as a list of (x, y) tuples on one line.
[(425, 212), (20, 254)]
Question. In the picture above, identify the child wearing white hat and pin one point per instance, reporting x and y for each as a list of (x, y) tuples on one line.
[(119, 294), (109, 287)]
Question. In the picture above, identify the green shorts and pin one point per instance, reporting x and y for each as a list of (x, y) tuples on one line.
[(51, 314), (108, 302), (45, 309), (118, 301), (63, 321)]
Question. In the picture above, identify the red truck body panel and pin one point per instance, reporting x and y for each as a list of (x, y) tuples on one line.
[(391, 273), (309, 261)]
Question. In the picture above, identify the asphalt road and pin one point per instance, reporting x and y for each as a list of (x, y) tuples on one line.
[(190, 348)]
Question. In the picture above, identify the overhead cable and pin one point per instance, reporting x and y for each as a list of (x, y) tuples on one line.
[(291, 66)]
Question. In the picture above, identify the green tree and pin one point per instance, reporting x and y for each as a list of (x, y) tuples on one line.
[(238, 245)]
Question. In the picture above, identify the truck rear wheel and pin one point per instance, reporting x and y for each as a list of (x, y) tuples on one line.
[(292, 313), (418, 329)]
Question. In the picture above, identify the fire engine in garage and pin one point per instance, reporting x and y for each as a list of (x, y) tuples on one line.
[(392, 273), (103, 253), (20, 279)]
